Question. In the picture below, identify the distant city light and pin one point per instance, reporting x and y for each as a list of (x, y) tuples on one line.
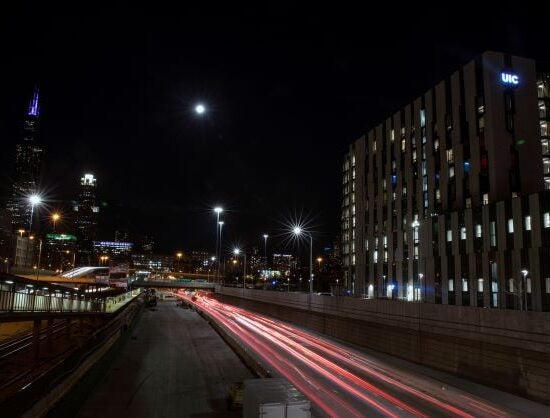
[(297, 230), (200, 109), (218, 209)]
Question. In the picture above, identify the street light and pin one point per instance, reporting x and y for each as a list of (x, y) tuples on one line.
[(55, 218), (299, 231), (319, 260), (265, 250), (33, 200), (218, 210), (524, 273), (237, 251), (21, 231), (179, 255), (220, 225)]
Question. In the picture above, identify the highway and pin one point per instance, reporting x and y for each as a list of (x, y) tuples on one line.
[(341, 381)]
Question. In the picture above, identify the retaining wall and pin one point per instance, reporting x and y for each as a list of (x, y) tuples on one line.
[(506, 349)]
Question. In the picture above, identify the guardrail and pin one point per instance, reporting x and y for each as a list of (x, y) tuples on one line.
[(193, 284), (26, 298)]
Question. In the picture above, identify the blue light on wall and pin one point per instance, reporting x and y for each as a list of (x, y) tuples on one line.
[(394, 179), (509, 78), (466, 166)]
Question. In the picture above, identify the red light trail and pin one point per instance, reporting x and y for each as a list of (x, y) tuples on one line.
[(340, 381)]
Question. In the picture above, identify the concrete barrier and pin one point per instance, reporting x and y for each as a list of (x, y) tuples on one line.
[(506, 349)]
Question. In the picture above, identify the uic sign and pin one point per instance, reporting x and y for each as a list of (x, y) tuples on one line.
[(508, 78)]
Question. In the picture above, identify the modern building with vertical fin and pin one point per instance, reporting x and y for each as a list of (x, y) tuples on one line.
[(28, 164), (447, 201)]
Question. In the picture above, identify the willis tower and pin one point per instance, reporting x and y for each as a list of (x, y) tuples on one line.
[(28, 162)]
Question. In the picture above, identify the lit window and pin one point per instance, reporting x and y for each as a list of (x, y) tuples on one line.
[(478, 231), (464, 284), (527, 223), (528, 284), (547, 284), (414, 155), (353, 259), (436, 144), (546, 165), (494, 287), (480, 285), (449, 235), (451, 171), (485, 198), (545, 146), (544, 128), (353, 160), (422, 118), (386, 256), (416, 252), (546, 219), (373, 146), (451, 285), (463, 233), (437, 195), (403, 145), (375, 256), (450, 157), (392, 135), (468, 202), (511, 285), (510, 226)]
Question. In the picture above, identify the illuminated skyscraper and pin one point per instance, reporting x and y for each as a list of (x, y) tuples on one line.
[(28, 162), (86, 215)]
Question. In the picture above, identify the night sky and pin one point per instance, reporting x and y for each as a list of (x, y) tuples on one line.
[(287, 91)]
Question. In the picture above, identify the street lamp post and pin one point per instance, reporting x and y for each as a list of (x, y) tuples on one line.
[(237, 251), (220, 225), (55, 218), (39, 257), (218, 210), (265, 250), (179, 255), (299, 231), (34, 200), (523, 287)]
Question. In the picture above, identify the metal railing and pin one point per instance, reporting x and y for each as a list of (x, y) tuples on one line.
[(13, 300)]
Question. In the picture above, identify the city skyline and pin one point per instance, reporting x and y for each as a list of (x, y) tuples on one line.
[(277, 125)]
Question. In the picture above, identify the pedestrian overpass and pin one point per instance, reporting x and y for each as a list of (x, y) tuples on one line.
[(183, 283)]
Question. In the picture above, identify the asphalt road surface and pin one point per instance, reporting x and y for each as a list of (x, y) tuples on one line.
[(173, 365)]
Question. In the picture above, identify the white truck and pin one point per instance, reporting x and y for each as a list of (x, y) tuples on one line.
[(274, 398)]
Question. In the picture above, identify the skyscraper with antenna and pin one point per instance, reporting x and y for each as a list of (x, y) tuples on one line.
[(28, 163)]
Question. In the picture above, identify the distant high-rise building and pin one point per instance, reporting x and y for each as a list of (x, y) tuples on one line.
[(28, 162), (147, 243), (86, 215), (284, 263)]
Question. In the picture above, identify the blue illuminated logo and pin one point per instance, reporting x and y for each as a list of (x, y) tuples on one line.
[(509, 78)]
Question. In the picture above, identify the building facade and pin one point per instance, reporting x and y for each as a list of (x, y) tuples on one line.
[(86, 211), (444, 201), (28, 163)]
